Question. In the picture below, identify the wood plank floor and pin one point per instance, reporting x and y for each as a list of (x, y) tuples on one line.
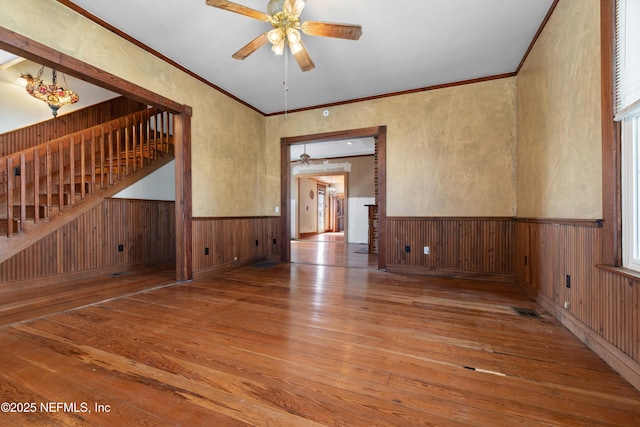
[(308, 345)]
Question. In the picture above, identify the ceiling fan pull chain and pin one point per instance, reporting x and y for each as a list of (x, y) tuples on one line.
[(286, 79)]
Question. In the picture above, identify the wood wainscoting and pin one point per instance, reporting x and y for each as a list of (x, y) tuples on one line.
[(456, 245), (223, 243), (119, 233), (558, 263)]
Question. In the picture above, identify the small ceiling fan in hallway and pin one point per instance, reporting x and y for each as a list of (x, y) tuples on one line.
[(284, 17)]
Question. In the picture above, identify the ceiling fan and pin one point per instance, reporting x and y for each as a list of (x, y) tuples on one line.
[(284, 17)]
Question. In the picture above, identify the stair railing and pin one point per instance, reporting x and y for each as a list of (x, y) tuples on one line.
[(43, 180)]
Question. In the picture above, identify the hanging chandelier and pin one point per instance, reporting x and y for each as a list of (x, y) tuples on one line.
[(53, 95)]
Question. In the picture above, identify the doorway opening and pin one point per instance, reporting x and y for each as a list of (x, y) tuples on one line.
[(372, 227), (318, 206)]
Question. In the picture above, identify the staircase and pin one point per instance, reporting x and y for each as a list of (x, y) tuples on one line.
[(43, 182)]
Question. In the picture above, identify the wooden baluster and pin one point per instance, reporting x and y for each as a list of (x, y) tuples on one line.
[(49, 171), (144, 147), (144, 144), (36, 185), (148, 130), (166, 137), (83, 170), (23, 193), (110, 156), (60, 175), (93, 161), (172, 120), (9, 197), (127, 136), (155, 132), (134, 141), (160, 130), (119, 154), (140, 138), (72, 173), (102, 158)]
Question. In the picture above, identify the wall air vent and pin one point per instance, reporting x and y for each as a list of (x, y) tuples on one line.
[(527, 312)]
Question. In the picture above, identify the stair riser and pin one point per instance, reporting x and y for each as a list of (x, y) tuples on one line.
[(55, 199), (67, 188), (30, 210), (4, 228)]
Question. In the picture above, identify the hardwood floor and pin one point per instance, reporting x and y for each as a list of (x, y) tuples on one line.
[(308, 345), (331, 249), (33, 299)]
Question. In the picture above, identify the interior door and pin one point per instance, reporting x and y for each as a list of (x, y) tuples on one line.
[(321, 208)]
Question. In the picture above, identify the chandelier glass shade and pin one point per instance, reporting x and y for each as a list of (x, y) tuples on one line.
[(51, 94), (275, 6)]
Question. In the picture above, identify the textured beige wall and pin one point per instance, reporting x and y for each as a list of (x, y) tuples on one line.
[(559, 131), (450, 152), (226, 136)]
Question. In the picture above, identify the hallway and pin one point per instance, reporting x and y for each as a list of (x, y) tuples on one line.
[(331, 249)]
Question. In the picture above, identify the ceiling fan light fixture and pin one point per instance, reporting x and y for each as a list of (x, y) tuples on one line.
[(278, 48), (276, 35), (284, 17), (275, 6), (304, 158), (293, 35)]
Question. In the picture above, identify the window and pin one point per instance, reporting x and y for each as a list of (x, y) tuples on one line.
[(631, 190), (627, 111)]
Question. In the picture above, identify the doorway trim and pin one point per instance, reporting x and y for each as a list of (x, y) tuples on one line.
[(379, 133)]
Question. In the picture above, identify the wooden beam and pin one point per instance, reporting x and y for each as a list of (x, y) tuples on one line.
[(611, 167), (184, 237)]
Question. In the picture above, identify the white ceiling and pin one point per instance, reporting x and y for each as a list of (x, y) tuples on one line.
[(405, 45)]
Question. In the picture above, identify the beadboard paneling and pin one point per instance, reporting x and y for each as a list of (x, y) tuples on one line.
[(604, 303), (233, 240), (473, 245), (145, 229)]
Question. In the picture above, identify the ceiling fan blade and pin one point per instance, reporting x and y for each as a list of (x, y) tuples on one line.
[(330, 29), (294, 6), (238, 8), (251, 47), (303, 58)]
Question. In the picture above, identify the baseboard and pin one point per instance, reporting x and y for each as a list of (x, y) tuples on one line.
[(85, 274), (628, 368)]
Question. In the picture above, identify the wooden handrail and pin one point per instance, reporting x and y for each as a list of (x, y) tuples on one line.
[(111, 150), (118, 123)]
